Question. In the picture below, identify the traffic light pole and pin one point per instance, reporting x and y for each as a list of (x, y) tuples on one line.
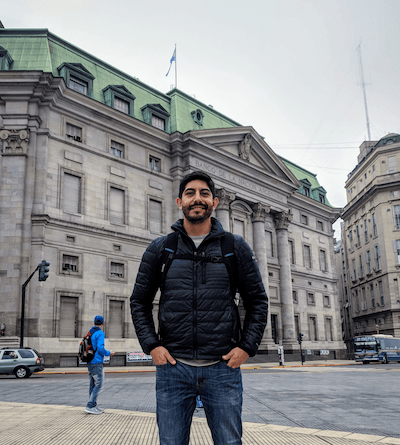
[(21, 342), (300, 340)]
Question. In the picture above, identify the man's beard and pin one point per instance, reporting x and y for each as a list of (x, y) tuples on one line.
[(197, 219)]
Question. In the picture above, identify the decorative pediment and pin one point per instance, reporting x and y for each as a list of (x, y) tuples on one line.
[(305, 182), (249, 148), (78, 67), (156, 107), (120, 89)]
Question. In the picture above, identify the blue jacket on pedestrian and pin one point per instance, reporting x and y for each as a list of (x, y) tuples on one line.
[(98, 345)]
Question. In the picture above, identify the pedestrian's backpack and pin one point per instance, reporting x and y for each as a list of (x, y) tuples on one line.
[(86, 352), (228, 257)]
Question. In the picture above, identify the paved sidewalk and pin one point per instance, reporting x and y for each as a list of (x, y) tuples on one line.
[(23, 423)]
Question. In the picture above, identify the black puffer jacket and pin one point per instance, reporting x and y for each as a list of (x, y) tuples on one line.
[(198, 318)]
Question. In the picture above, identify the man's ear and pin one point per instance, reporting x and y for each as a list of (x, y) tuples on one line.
[(179, 202), (215, 202)]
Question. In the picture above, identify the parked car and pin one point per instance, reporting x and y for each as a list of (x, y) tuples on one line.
[(21, 362)]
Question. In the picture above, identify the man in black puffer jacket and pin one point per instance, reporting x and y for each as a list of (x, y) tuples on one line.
[(200, 345)]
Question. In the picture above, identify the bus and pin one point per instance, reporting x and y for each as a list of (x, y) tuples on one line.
[(377, 348)]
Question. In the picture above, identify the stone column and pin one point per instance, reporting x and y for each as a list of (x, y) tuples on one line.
[(260, 211), (281, 224), (222, 211)]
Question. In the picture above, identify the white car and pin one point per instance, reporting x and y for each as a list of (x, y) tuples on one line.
[(21, 362)]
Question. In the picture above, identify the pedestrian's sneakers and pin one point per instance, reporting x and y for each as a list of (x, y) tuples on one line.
[(94, 410)]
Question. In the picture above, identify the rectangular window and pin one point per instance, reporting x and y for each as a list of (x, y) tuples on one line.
[(351, 239), (392, 164), (364, 299), (294, 294), (117, 149), (357, 301), (376, 256), (117, 205), (155, 163), (70, 263), (73, 132), (307, 256), (371, 289), (238, 227), (322, 198), (380, 285), (397, 251), (270, 244), (358, 236), (361, 267), (116, 320), (297, 325), (78, 85), (312, 327), (306, 191), (365, 231), (121, 105), (368, 261), (328, 329), (373, 171), (68, 316), (158, 122), (292, 252), (117, 270), (327, 302), (322, 260), (71, 193), (353, 261), (304, 219), (320, 225), (374, 229), (155, 216), (396, 216), (310, 298)]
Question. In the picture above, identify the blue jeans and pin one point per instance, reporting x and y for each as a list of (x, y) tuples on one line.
[(220, 389), (96, 376)]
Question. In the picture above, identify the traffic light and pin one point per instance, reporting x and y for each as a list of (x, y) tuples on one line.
[(44, 270), (300, 338)]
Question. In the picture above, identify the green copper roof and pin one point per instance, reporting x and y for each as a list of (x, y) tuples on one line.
[(308, 179), (40, 50)]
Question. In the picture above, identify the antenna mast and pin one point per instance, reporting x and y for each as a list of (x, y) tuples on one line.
[(363, 88)]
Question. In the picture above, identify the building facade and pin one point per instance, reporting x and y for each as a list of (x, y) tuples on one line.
[(91, 160), (368, 259)]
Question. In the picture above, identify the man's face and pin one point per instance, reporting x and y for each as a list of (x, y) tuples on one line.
[(197, 202)]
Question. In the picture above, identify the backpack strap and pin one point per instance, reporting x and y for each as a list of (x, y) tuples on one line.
[(228, 257), (228, 253), (168, 254)]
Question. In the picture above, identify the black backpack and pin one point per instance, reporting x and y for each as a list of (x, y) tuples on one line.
[(86, 352), (228, 257)]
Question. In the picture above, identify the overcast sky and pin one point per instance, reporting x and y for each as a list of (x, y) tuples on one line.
[(289, 68)]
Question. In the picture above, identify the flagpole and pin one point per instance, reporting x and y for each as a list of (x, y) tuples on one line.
[(176, 75)]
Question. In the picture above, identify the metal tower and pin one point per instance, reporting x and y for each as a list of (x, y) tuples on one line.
[(363, 88)]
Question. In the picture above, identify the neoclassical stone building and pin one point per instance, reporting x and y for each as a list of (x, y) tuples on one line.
[(368, 258), (91, 160)]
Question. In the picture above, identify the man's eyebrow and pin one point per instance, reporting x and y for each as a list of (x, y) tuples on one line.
[(191, 189)]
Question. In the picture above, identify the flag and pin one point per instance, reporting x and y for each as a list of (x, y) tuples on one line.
[(172, 60)]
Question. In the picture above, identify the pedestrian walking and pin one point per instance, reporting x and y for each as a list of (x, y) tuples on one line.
[(200, 345), (95, 366)]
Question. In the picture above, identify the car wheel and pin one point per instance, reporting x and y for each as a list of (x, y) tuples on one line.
[(21, 372)]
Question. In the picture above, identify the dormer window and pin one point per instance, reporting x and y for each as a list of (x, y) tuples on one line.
[(322, 198), (78, 85), (119, 98), (306, 191), (157, 116), (197, 116), (6, 60), (305, 187), (77, 78)]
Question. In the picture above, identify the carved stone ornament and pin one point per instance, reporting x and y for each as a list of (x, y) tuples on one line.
[(225, 198), (245, 147), (260, 211), (15, 142), (282, 220)]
